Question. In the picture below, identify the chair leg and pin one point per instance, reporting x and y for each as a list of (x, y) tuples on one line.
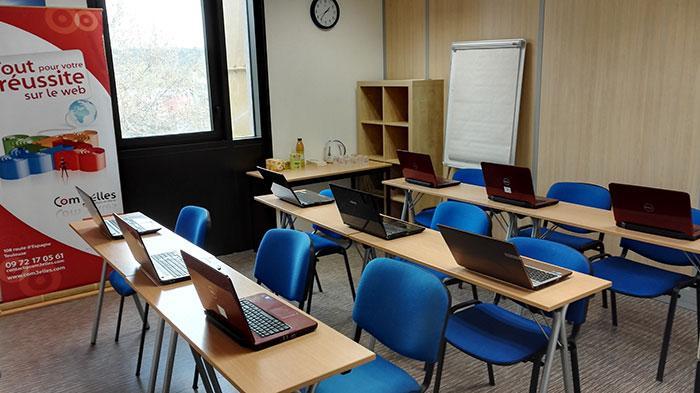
[(497, 299), (613, 307), (119, 318), (195, 381), (667, 335), (441, 362), (697, 304), (308, 300), (604, 294), (144, 325), (492, 378), (318, 281), (349, 272), (475, 293), (535, 378), (574, 367)]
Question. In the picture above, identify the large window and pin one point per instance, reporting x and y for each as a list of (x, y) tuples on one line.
[(183, 70)]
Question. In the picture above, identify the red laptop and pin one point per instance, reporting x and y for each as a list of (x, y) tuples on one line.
[(513, 185), (653, 210), (257, 321), (418, 169)]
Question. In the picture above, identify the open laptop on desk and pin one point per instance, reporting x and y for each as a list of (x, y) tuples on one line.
[(512, 185), (497, 259), (143, 224), (653, 210), (256, 321), (282, 190), (359, 210), (163, 268), (418, 169)]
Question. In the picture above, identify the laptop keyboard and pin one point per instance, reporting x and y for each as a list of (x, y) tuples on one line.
[(260, 322), (538, 275), (172, 263), (309, 197), (113, 227)]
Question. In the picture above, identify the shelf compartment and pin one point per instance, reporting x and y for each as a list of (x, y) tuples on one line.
[(370, 103), (370, 142), (395, 104), (394, 138)]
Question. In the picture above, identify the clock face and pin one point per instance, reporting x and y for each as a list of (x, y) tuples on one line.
[(325, 13)]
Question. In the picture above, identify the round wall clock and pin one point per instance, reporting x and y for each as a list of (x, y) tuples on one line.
[(325, 13)]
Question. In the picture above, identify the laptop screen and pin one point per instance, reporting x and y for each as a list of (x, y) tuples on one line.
[(133, 240), (92, 208), (359, 210), (509, 182)]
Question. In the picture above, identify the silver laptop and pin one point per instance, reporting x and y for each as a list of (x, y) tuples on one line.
[(139, 221)]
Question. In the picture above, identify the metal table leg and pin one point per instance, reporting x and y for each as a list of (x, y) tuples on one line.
[(565, 359), (202, 372), (407, 202), (551, 348), (535, 228), (100, 297), (168, 376), (212, 377), (512, 225), (156, 356)]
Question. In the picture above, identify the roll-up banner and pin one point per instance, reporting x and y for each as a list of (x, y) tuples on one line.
[(57, 132)]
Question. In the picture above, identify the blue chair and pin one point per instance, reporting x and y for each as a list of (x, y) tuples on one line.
[(285, 264), (497, 336), (643, 281), (192, 223), (473, 176), (405, 309), (326, 242), (585, 194)]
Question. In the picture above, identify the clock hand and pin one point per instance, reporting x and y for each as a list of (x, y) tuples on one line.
[(324, 12)]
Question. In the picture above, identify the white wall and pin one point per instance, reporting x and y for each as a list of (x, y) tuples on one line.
[(313, 73)]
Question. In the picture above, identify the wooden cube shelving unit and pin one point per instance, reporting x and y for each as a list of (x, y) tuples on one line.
[(400, 114)]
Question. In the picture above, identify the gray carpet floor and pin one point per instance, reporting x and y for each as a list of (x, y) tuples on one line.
[(48, 350)]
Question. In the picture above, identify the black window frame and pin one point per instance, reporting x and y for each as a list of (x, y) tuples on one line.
[(217, 70)]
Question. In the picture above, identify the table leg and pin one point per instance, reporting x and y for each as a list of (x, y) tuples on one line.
[(100, 298), (202, 371), (535, 228), (312, 388), (156, 356), (551, 348), (565, 360), (407, 212), (512, 225), (168, 376), (212, 377)]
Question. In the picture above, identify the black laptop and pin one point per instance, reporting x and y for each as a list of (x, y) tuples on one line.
[(282, 190), (139, 221), (162, 268), (653, 210), (512, 185), (257, 321), (498, 259), (360, 210), (418, 169)]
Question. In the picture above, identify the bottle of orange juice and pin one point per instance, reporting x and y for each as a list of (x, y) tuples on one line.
[(300, 152)]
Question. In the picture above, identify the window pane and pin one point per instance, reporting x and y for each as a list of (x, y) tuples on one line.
[(160, 67), (239, 70)]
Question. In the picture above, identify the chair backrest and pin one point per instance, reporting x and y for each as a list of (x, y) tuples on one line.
[(327, 193), (585, 194), (472, 176), (560, 255), (661, 254), (403, 306), (193, 223), (463, 216), (283, 263)]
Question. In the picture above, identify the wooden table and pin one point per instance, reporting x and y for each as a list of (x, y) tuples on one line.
[(289, 366), (429, 249)]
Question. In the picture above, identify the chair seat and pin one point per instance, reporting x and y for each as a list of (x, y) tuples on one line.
[(578, 243), (377, 376), (324, 245), (636, 279), (425, 217), (495, 335), (120, 285)]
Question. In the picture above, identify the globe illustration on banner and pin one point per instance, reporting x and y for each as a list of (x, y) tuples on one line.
[(81, 113)]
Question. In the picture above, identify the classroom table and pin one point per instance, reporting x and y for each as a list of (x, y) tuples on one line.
[(596, 220), (429, 249), (288, 366)]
